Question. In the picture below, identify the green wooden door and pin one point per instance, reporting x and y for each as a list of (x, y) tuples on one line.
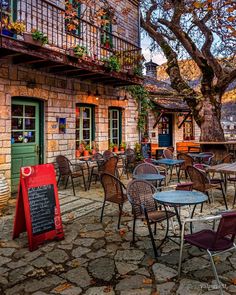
[(24, 137)]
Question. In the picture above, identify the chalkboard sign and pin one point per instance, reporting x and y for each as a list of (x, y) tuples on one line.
[(42, 207), (37, 209)]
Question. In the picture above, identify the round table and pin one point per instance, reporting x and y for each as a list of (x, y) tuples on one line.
[(149, 176), (177, 198)]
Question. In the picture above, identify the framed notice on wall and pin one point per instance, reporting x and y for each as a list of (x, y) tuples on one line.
[(37, 209)]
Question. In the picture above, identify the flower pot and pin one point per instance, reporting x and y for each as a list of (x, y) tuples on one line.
[(77, 153), (4, 192), (86, 153), (94, 152), (115, 149), (7, 32), (29, 39), (122, 149)]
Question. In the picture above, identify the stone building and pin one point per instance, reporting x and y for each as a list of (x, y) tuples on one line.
[(52, 99), (171, 124)]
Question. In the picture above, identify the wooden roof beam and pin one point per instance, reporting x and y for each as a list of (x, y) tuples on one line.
[(158, 118), (184, 119)]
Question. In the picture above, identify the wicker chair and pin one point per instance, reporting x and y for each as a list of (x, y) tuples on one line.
[(213, 242), (114, 191), (146, 168), (203, 184), (68, 170), (168, 154), (107, 154), (140, 195), (188, 161), (130, 161), (228, 159), (108, 166), (162, 169), (207, 160)]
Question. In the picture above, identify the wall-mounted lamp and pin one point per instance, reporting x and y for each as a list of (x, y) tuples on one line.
[(97, 94)]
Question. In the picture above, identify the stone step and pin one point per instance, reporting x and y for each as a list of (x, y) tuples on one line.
[(72, 206), (68, 199), (81, 211)]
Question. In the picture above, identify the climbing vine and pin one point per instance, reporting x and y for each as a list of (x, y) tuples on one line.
[(141, 95)]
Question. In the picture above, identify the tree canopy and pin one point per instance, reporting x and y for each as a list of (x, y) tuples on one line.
[(205, 32)]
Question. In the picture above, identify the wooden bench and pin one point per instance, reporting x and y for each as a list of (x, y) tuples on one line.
[(186, 147)]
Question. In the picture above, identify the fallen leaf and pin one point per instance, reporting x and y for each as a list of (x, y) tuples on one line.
[(62, 287), (147, 281), (233, 281), (122, 232), (107, 289), (150, 261)]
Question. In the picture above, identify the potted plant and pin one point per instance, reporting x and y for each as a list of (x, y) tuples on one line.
[(94, 147), (36, 37), (122, 146), (115, 148), (77, 153), (87, 150), (112, 64), (111, 146), (78, 51), (10, 28)]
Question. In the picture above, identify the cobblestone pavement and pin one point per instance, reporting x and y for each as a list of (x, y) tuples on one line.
[(97, 258)]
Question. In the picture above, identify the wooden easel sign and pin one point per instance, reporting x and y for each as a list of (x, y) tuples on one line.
[(37, 208)]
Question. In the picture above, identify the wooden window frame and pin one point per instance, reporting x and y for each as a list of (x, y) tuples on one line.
[(119, 126), (189, 120)]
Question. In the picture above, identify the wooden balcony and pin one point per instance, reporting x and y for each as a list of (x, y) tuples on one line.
[(57, 57)]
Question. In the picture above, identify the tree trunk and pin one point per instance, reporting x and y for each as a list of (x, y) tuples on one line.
[(209, 121)]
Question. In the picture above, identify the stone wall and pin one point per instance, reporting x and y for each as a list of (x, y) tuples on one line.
[(60, 97)]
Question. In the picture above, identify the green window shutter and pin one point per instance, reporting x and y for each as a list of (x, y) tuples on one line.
[(106, 37), (78, 5)]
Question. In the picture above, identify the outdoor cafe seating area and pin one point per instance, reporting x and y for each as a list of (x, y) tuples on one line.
[(157, 190)]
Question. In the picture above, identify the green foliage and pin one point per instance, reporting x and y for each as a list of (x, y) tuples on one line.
[(39, 36), (80, 50), (137, 148), (123, 145), (112, 64), (140, 94), (138, 70)]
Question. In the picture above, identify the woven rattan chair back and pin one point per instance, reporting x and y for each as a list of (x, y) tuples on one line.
[(110, 166), (227, 159), (140, 195), (188, 160), (63, 165), (114, 189), (107, 154), (198, 179), (145, 168), (168, 154), (130, 155)]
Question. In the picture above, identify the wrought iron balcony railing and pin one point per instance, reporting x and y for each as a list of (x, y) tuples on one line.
[(92, 42)]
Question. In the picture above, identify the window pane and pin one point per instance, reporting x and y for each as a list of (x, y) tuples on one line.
[(114, 124), (115, 133), (86, 113), (29, 124), (29, 136), (115, 114), (17, 137), (30, 111), (86, 134), (17, 110), (17, 123), (86, 123), (77, 134)]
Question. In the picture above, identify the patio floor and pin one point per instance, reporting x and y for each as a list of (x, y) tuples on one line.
[(96, 258)]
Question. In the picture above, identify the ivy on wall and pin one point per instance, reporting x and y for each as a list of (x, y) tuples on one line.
[(141, 95)]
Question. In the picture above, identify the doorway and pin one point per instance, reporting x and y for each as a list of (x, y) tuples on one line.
[(26, 136), (165, 137)]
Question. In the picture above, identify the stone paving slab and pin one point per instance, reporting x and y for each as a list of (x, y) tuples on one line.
[(97, 258)]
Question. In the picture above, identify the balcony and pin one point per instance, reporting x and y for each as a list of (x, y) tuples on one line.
[(58, 56)]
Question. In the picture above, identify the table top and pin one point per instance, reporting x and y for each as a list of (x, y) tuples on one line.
[(180, 198), (199, 155), (229, 168), (170, 162), (149, 176)]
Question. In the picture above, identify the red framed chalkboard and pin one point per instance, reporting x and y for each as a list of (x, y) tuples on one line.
[(37, 208)]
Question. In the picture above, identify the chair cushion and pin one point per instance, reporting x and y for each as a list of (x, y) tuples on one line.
[(158, 216), (204, 239)]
